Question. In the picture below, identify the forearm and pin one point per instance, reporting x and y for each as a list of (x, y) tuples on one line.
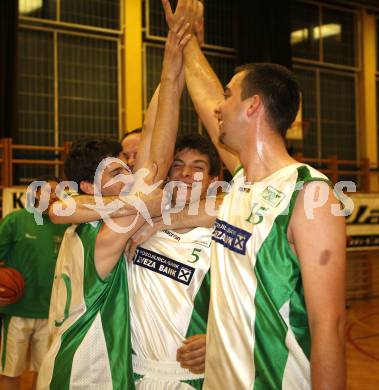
[(206, 93), (328, 371), (166, 126), (202, 81), (184, 220), (88, 208), (147, 131)]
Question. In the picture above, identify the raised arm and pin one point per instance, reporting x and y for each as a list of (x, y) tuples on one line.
[(204, 86), (147, 131), (320, 246), (171, 88)]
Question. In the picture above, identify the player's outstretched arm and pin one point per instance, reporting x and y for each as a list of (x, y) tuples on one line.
[(172, 83), (88, 208), (181, 220), (320, 244), (114, 233), (204, 86)]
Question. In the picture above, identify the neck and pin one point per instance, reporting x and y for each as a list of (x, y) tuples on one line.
[(264, 154)]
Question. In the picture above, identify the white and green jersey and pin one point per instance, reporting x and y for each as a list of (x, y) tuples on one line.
[(169, 290), (88, 320), (258, 334)]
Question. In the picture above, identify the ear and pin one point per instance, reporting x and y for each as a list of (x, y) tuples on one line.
[(87, 187), (254, 102)]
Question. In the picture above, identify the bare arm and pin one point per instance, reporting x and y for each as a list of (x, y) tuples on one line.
[(320, 246), (172, 84), (206, 92), (179, 221), (147, 131), (111, 241), (88, 208)]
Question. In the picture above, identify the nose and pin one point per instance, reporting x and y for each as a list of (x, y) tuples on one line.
[(217, 112), (131, 162), (186, 171)]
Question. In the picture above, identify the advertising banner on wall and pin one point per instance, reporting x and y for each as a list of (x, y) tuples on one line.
[(14, 198), (363, 223)]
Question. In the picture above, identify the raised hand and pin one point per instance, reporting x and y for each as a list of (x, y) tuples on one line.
[(198, 26), (177, 38), (186, 9)]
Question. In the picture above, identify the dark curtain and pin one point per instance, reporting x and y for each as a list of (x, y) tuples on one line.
[(263, 31), (8, 71)]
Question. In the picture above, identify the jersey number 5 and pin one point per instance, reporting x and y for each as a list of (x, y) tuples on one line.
[(195, 255)]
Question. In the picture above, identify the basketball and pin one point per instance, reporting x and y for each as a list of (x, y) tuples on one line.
[(11, 284)]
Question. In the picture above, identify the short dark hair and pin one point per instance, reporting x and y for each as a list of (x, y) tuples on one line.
[(48, 178), (278, 89), (203, 145), (86, 154), (138, 130)]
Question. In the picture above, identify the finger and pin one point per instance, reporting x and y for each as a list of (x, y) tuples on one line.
[(193, 337), (185, 40), (195, 344), (193, 362), (198, 354), (184, 28), (178, 25), (167, 9), (126, 250), (198, 370), (133, 248)]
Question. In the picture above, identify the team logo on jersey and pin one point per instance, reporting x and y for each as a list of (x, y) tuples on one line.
[(231, 237), (163, 265), (246, 190), (185, 275), (272, 196), (206, 244)]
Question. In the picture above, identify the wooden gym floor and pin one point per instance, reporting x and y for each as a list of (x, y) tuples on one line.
[(362, 346)]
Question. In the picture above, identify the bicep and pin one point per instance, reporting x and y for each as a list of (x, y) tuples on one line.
[(320, 246)]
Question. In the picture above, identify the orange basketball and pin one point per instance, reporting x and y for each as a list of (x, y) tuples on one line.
[(11, 284)]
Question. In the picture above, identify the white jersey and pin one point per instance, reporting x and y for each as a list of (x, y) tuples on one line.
[(169, 292), (258, 334)]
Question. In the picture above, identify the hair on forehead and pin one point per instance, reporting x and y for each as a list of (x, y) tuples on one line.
[(202, 145), (278, 89)]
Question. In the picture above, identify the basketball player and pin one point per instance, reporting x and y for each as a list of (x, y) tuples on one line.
[(88, 323), (130, 143), (91, 337), (277, 309), (169, 285), (32, 249), (169, 276)]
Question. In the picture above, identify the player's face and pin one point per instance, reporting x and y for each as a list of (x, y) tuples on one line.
[(230, 113), (47, 191), (129, 149), (112, 170), (187, 166)]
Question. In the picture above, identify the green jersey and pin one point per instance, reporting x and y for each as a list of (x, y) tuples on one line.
[(88, 320), (31, 249)]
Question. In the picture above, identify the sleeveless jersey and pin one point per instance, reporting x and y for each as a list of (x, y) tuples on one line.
[(258, 333), (31, 249), (169, 292), (88, 320)]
